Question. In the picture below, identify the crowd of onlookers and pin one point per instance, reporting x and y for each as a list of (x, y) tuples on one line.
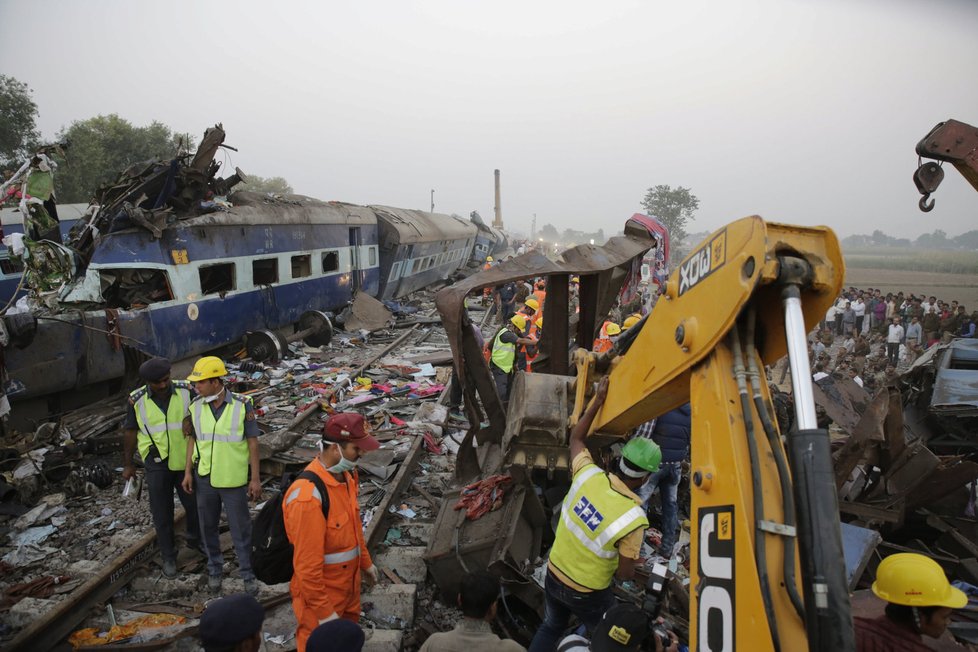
[(867, 335)]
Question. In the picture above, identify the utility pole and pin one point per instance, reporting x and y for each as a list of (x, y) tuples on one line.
[(533, 227), (432, 200)]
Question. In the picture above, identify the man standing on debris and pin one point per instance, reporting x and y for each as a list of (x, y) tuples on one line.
[(600, 532), (154, 424), (671, 433), (502, 357), (225, 447), (329, 553), (919, 603), (478, 596)]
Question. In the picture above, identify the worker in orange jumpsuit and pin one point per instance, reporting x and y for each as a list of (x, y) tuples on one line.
[(486, 292), (533, 350), (540, 289), (605, 339), (330, 555)]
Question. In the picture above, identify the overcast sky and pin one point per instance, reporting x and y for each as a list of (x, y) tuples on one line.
[(799, 111)]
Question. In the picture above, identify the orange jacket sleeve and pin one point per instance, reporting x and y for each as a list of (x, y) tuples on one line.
[(306, 529)]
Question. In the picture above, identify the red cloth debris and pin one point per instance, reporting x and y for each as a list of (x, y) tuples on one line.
[(483, 496), (431, 444)]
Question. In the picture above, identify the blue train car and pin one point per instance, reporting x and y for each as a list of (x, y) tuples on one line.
[(204, 283), (418, 249), (13, 222)]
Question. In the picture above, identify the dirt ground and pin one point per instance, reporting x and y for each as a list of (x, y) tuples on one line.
[(960, 287)]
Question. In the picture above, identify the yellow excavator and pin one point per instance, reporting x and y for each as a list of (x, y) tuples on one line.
[(766, 568)]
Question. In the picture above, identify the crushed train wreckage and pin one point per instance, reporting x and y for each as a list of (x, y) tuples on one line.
[(169, 250)]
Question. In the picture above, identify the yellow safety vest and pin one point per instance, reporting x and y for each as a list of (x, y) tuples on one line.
[(222, 450), (594, 517), (163, 430), (503, 353)]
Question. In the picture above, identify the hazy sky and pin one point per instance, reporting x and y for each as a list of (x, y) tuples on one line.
[(799, 111)]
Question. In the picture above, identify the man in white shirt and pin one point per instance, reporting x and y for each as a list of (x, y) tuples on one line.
[(859, 307), (894, 336)]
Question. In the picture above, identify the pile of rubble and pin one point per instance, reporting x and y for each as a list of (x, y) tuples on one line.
[(78, 554)]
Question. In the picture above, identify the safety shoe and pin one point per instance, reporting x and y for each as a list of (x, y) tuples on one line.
[(214, 582), (169, 568), (251, 586)]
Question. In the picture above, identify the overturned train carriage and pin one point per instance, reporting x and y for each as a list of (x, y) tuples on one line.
[(205, 282), (418, 249)]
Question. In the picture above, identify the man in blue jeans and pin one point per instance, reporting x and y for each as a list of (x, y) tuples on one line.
[(671, 433), (599, 535)]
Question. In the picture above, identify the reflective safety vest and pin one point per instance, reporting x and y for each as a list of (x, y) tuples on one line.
[(163, 430), (594, 518), (533, 350), (222, 450), (603, 342), (503, 353)]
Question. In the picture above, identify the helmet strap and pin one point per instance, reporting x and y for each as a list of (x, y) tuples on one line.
[(916, 618)]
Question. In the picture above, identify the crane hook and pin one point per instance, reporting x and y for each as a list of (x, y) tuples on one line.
[(924, 206)]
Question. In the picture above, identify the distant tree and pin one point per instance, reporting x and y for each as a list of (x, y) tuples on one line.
[(967, 240), (936, 240), (549, 233), (18, 122), (674, 207), (104, 146), (266, 185)]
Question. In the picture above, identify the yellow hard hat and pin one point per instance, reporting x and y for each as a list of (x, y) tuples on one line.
[(914, 580), (613, 329), (488, 259), (631, 321), (575, 279), (519, 321), (532, 303), (208, 367), (539, 322)]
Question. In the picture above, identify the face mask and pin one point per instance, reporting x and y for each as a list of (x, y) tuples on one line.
[(211, 399), (343, 465)]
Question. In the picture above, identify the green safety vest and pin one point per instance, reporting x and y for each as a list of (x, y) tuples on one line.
[(594, 518), (222, 450), (503, 353), (163, 430)]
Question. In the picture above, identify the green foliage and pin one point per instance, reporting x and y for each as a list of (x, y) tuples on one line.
[(674, 207), (103, 147), (549, 233), (18, 123), (271, 185)]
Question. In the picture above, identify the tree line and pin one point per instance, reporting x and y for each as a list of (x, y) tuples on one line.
[(96, 150), (967, 241)]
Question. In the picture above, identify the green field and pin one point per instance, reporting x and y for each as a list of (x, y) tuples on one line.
[(916, 260), (948, 275)]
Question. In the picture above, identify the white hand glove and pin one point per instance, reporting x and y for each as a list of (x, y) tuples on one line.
[(373, 574), (332, 616)]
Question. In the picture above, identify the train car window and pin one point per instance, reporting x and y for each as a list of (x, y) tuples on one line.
[(133, 288), (216, 279), (372, 257), (395, 271), (264, 271), (301, 266), (331, 261), (11, 265)]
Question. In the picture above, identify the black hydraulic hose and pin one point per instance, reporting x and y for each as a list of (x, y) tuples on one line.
[(760, 547), (787, 498)]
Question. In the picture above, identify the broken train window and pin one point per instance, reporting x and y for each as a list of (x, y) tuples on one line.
[(134, 288), (331, 261), (264, 271), (217, 279), (301, 266)]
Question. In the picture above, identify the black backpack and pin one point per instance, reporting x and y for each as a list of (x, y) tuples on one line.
[(271, 551)]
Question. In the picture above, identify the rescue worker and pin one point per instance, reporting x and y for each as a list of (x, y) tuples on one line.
[(600, 532), (154, 425), (604, 341), (531, 309), (502, 357), (630, 321), (486, 292), (540, 289), (224, 435), (329, 554), (503, 302), (919, 602), (533, 350)]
